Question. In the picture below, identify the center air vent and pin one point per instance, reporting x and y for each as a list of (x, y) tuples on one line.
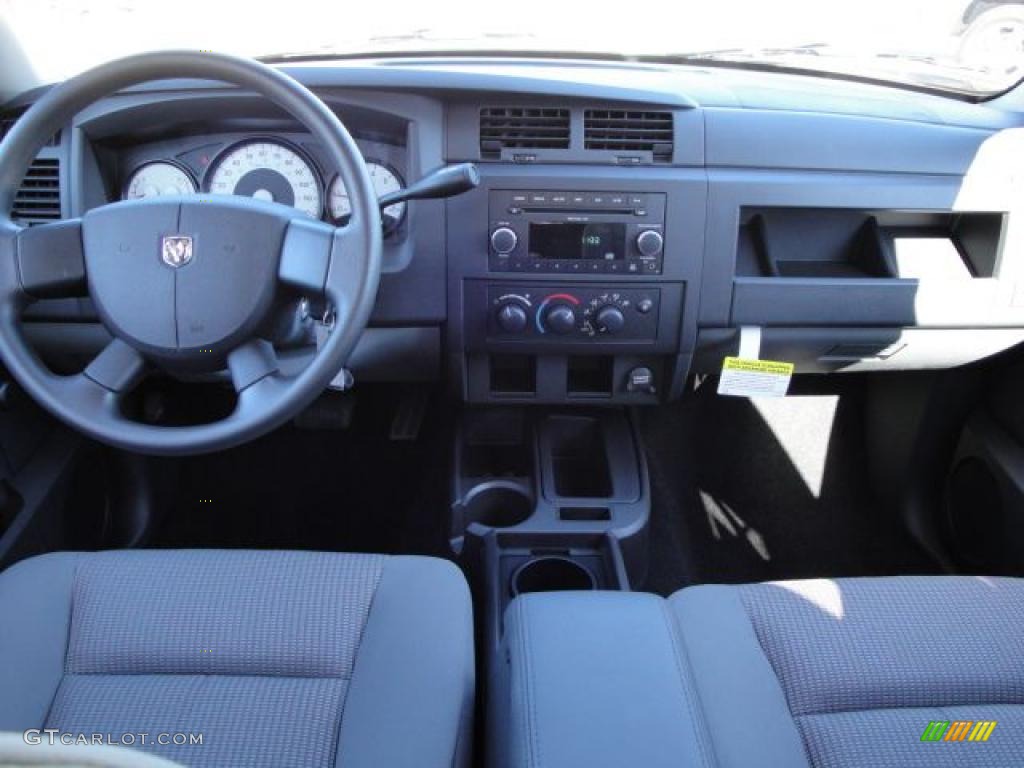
[(38, 197), (624, 131), (522, 128)]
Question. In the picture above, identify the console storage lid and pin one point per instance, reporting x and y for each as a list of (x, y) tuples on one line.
[(591, 678)]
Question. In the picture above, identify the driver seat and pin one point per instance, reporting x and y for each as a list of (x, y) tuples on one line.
[(275, 658)]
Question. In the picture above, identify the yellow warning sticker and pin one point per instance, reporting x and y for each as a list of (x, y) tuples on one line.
[(743, 377)]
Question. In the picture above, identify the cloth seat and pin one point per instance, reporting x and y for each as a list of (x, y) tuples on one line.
[(812, 674), (273, 658)]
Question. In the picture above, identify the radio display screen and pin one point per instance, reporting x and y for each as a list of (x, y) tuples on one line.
[(573, 240)]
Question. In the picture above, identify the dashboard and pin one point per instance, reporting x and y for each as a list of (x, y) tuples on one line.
[(630, 221)]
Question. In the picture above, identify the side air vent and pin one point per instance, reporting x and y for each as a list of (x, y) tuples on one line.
[(38, 197), (522, 128), (6, 123), (619, 130)]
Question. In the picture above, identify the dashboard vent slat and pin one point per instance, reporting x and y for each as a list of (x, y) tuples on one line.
[(619, 130), (6, 123), (38, 197), (522, 128)]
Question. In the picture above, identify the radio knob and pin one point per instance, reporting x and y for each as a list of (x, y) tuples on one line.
[(610, 320), (560, 319), (504, 240), (512, 318), (649, 243)]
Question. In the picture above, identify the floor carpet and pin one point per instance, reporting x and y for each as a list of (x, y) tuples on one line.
[(353, 490), (753, 490)]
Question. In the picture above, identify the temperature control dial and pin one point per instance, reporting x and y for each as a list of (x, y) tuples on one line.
[(560, 319)]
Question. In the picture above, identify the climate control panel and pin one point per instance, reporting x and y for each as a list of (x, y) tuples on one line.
[(581, 313)]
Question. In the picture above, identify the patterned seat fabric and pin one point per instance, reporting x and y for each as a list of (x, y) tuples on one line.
[(867, 664), (259, 652)]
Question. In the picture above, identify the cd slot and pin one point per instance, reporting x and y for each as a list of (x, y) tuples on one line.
[(579, 211)]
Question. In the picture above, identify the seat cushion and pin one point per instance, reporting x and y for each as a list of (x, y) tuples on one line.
[(862, 666), (276, 658), (823, 674)]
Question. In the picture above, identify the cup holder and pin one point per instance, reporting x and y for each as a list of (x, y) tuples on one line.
[(497, 505), (551, 574)]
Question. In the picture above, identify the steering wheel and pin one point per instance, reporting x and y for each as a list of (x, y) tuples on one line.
[(185, 284)]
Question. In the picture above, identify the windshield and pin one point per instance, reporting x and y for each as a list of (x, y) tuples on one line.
[(973, 47)]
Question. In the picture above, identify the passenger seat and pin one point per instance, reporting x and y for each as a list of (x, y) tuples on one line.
[(822, 674)]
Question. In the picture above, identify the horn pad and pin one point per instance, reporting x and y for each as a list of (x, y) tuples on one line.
[(187, 279)]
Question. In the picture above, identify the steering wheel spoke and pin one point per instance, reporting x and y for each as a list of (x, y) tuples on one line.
[(325, 262), (51, 260), (306, 255), (346, 284), (252, 362), (118, 368), (102, 386)]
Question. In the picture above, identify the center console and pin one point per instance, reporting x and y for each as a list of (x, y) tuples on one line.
[(575, 293), (547, 499)]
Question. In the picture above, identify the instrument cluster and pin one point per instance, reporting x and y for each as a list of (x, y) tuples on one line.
[(270, 169)]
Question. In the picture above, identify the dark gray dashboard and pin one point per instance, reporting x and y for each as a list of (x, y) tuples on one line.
[(919, 265)]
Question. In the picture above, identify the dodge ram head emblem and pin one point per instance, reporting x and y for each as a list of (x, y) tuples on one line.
[(176, 250)]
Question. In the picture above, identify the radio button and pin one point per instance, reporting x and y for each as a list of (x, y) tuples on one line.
[(504, 240), (649, 243)]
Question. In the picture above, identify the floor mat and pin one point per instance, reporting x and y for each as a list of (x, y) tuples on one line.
[(355, 490), (754, 490)]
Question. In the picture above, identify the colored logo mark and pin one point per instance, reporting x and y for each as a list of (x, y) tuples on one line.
[(958, 730)]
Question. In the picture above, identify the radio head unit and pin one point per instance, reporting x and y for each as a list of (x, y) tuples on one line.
[(576, 232)]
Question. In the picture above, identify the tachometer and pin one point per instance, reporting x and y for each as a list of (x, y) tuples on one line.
[(384, 180), (158, 179), (267, 170)]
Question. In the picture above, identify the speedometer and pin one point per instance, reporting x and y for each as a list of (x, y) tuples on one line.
[(267, 170), (158, 179), (384, 181)]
